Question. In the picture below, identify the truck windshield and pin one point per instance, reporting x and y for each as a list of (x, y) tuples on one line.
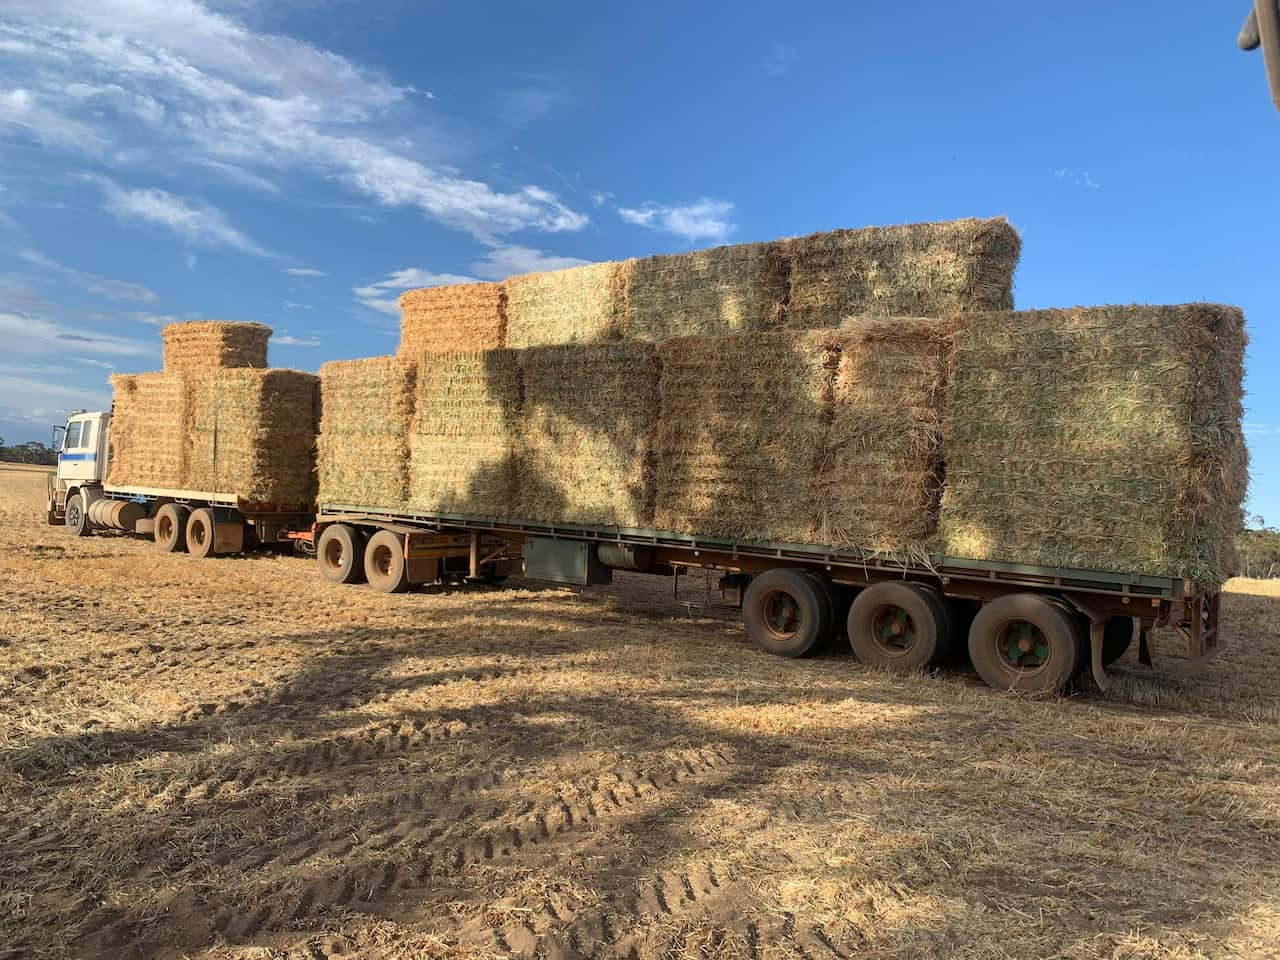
[(73, 435)]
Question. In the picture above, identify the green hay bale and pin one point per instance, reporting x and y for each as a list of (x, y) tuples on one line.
[(587, 431), (253, 434), (578, 305), (731, 289), (462, 448), (880, 480), (366, 407), (919, 269), (150, 443), (455, 319), (210, 344), (741, 434), (1101, 438)]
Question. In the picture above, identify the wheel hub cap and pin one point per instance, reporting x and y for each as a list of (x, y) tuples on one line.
[(893, 629)]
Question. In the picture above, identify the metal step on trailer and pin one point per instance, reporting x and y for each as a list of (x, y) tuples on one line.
[(862, 564)]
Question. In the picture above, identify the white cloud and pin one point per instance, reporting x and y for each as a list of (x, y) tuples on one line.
[(158, 319), (704, 219), (1080, 178), (44, 402), (101, 364), (1261, 429), (304, 272), (195, 221), (286, 340), (507, 260), (779, 60), (178, 81), (114, 289), (295, 305), (28, 336), (382, 296)]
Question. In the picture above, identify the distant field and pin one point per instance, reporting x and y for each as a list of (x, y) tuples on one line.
[(25, 467), (231, 758)]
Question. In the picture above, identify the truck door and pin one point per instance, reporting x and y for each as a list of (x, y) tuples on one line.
[(80, 460)]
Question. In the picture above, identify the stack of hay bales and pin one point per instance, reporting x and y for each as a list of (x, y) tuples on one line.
[(212, 344), (455, 319), (586, 434), (150, 445), (464, 435), (366, 407), (729, 289), (216, 422), (912, 270), (1098, 438), (577, 305)]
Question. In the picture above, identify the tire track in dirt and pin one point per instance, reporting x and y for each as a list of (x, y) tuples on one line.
[(436, 845)]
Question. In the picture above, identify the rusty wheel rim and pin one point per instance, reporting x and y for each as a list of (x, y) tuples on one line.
[(1022, 646), (334, 554), (893, 630), (782, 615)]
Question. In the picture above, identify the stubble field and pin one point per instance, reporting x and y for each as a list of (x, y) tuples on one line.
[(232, 758)]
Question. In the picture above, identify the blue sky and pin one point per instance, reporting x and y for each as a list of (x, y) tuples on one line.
[(300, 163)]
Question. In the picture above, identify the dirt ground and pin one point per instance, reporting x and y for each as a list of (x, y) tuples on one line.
[(232, 758)]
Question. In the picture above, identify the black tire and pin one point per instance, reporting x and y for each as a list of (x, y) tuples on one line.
[(340, 554), (170, 530), (200, 532), (788, 612), (1025, 642), (77, 516), (899, 626), (384, 563), (831, 598), (1117, 638)]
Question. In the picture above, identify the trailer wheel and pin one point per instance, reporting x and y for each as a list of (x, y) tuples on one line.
[(899, 626), (384, 563), (200, 527), (338, 554), (77, 518), (1025, 642), (787, 612), (170, 530)]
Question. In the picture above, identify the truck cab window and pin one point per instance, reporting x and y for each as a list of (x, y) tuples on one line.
[(86, 434), (73, 435)]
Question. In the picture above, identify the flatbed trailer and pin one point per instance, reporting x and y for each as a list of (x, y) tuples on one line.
[(1026, 627)]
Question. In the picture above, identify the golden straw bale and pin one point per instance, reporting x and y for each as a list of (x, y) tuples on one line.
[(918, 269), (363, 450), (587, 432), (1100, 438), (150, 445), (577, 305), (462, 444), (209, 344), (453, 319)]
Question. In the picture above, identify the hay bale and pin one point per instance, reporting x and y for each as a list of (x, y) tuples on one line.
[(150, 444), (578, 305), (587, 432), (363, 449), (731, 289), (455, 319), (1101, 438), (253, 434), (880, 480), (207, 344), (741, 433), (919, 269), (462, 444)]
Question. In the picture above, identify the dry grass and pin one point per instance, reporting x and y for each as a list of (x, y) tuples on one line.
[(229, 758)]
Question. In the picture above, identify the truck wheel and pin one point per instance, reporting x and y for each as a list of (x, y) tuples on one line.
[(384, 563), (338, 554), (787, 612), (1117, 637), (78, 516), (899, 626), (1025, 642), (200, 525), (170, 529)]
